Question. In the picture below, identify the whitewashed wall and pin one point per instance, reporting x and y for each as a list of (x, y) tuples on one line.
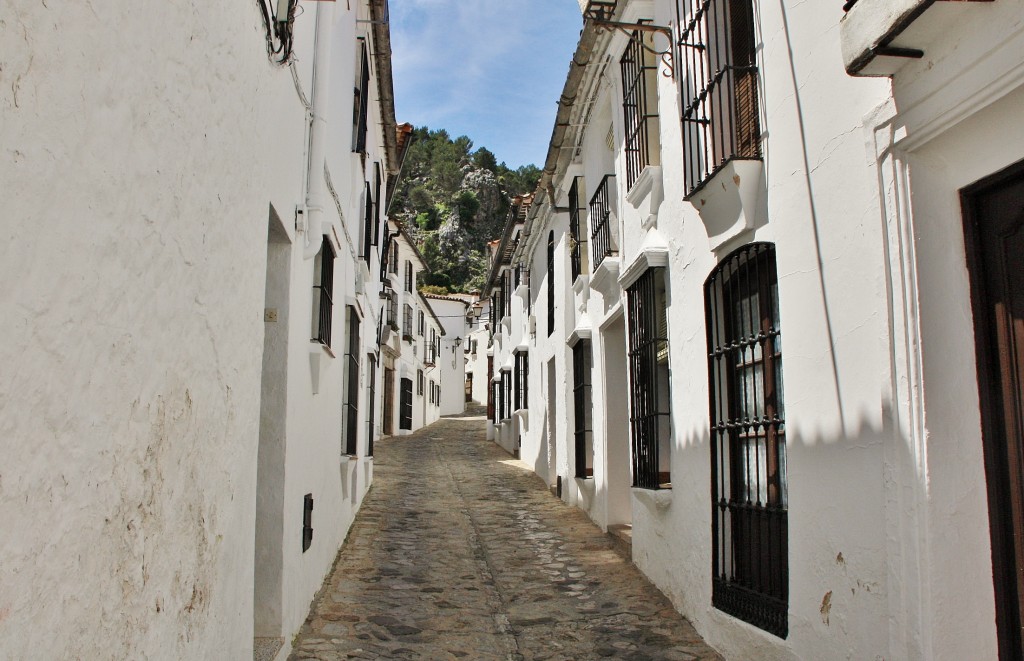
[(135, 225), (888, 535), (451, 360)]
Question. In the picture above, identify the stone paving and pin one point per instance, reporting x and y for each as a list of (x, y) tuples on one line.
[(459, 552)]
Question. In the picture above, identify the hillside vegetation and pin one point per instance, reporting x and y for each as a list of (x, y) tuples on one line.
[(453, 200)]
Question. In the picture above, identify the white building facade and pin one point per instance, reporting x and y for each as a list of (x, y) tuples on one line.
[(741, 349), (450, 372), (192, 385), (410, 341)]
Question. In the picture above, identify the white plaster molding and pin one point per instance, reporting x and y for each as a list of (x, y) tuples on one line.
[(870, 23), (586, 488), (657, 500), (522, 291), (727, 202), (581, 287), (577, 334), (647, 194), (649, 256), (606, 274)]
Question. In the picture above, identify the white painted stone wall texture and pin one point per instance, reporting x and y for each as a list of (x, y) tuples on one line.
[(133, 256)]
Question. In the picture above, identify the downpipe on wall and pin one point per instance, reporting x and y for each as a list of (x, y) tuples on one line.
[(318, 131)]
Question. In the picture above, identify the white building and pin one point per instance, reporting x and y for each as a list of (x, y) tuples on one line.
[(724, 209), (191, 279), (478, 380), (452, 312), (411, 336)]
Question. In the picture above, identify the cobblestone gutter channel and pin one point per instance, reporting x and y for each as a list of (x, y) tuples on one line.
[(458, 553)]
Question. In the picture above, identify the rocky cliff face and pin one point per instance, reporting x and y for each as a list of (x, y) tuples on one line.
[(453, 200)]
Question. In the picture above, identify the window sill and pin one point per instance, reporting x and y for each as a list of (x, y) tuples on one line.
[(606, 274), (647, 194), (315, 347), (656, 499), (728, 200)]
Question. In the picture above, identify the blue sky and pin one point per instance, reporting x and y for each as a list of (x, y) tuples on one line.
[(489, 69)]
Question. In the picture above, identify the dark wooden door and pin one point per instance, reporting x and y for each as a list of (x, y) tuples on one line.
[(994, 223), (388, 421)]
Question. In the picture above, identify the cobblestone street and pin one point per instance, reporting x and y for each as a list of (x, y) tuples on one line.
[(461, 553)]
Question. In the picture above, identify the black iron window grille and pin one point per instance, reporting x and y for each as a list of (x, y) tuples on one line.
[(361, 103), (371, 399), (551, 282), (323, 291), (408, 276), (522, 391), (419, 382), (368, 239), (502, 383), (583, 408), (496, 405), (718, 85), (602, 243), (748, 445), (506, 389), (393, 311), (639, 66), (351, 407), (577, 218), (649, 387), (507, 290), (385, 256), (419, 324), (407, 322), (378, 202), (499, 305), (394, 256), (848, 5), (405, 405)]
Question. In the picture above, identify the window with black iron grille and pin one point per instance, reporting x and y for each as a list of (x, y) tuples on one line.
[(499, 305), (507, 288), (361, 103), (405, 405), (577, 213), (419, 382), (378, 203), (718, 85), (351, 407), (368, 239), (323, 291), (495, 402), (419, 324), (522, 389), (748, 444), (583, 408), (551, 282), (506, 403), (385, 256), (394, 256), (371, 399), (639, 66), (307, 522), (408, 276), (393, 311), (602, 241), (407, 322), (649, 388), (490, 390)]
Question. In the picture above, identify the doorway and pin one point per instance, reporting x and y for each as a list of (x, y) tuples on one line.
[(616, 423), (388, 418), (270, 464), (994, 232)]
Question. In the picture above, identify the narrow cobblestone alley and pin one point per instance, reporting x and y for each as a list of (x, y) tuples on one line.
[(460, 553)]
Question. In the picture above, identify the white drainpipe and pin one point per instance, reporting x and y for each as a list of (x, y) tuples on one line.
[(315, 188)]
